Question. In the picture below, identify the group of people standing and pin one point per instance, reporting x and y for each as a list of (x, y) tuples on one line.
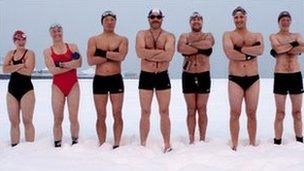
[(155, 48)]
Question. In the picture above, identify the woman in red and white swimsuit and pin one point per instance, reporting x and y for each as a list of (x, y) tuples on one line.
[(62, 60)]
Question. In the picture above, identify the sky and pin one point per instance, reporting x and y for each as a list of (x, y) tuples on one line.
[(81, 20)]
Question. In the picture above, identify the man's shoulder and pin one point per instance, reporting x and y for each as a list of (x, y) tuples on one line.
[(185, 34), (142, 32), (122, 38), (228, 32), (255, 33), (94, 38), (168, 34), (296, 34)]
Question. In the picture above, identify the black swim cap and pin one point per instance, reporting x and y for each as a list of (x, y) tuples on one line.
[(284, 14), (107, 13), (239, 9)]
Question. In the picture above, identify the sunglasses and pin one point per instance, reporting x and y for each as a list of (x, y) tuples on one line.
[(155, 16)]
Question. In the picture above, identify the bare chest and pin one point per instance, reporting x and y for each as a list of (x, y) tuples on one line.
[(243, 40), (108, 44), (155, 42)]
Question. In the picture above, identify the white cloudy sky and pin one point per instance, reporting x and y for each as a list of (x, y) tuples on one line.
[(80, 19)]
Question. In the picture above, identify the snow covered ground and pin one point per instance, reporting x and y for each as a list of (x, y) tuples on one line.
[(214, 154)]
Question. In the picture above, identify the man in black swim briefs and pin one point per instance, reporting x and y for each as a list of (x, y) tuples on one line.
[(242, 48)]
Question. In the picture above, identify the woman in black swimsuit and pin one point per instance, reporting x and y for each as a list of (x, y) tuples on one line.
[(20, 97)]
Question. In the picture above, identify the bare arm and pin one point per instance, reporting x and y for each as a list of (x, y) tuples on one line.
[(229, 49), (183, 48), (74, 63), (141, 50), (91, 58), (50, 64), (7, 65), (123, 50), (204, 44), (29, 63), (279, 48), (299, 49), (254, 50), (168, 53)]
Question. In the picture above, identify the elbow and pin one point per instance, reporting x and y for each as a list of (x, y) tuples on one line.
[(90, 63), (169, 59), (139, 55), (228, 54), (180, 49), (79, 64), (5, 70), (208, 45), (122, 58), (260, 53)]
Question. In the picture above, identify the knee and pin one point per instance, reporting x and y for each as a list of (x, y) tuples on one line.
[(280, 115), (235, 114), (145, 113), (191, 111), (297, 115), (101, 118), (15, 123), (74, 120), (58, 120), (202, 109), (117, 115), (164, 112), (251, 114), (27, 122)]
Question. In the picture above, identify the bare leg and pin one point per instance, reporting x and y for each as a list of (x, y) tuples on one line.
[(280, 114), (27, 107), (236, 95), (191, 116), (58, 101), (163, 98), (201, 104), (100, 105), (296, 101), (117, 101), (145, 97), (251, 100), (73, 106), (13, 113)]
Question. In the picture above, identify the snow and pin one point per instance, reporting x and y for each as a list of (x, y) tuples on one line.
[(214, 154)]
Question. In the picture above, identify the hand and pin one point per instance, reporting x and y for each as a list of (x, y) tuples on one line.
[(294, 44), (257, 44), (273, 53), (249, 57), (58, 64), (206, 52), (101, 53), (75, 56), (237, 48)]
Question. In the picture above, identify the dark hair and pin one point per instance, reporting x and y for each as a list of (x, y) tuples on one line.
[(284, 14), (239, 9)]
